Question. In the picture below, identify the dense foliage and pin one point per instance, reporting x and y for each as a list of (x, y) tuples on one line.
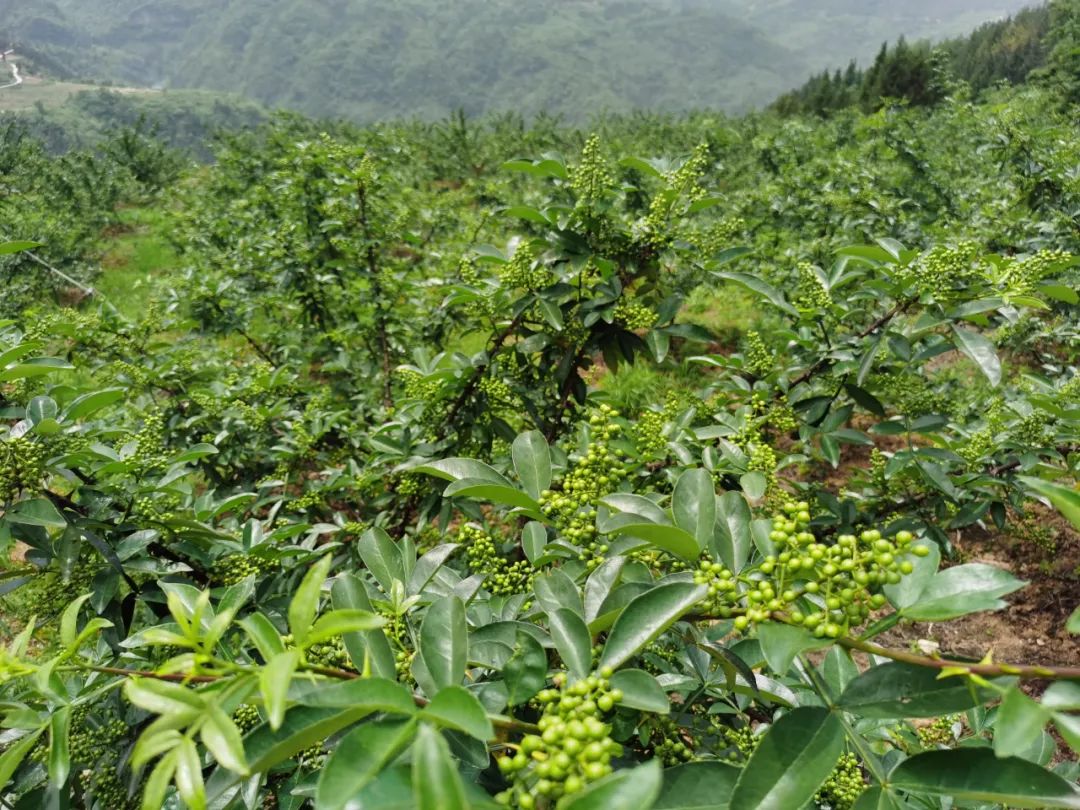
[(476, 464)]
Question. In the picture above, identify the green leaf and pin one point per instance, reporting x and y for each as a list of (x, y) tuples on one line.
[(1062, 696), (780, 643), (381, 557), (371, 646), (455, 469), (1064, 499), (274, 680), (373, 694), (507, 495), (161, 697), (59, 759), (572, 640), (457, 708), (303, 727), (600, 584), (877, 798), (69, 621), (671, 539), (361, 755), (906, 592), (732, 539), (838, 669), (339, 622), (556, 590), (36, 512), (641, 691), (791, 762), (693, 504), (896, 689), (1073, 624), (697, 786), (188, 775), (961, 590), (157, 784), (754, 484), (1020, 722), (534, 538), (91, 403), (628, 789), (762, 288), (41, 408), (15, 754), (435, 777), (981, 351), (532, 462), (525, 673), (976, 775), (444, 643), (263, 635), (223, 740), (305, 602), (646, 617), (7, 248)]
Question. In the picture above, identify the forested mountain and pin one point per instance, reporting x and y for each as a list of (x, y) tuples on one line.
[(376, 59), (924, 73)]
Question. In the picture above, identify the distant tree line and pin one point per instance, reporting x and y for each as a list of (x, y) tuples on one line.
[(923, 73)]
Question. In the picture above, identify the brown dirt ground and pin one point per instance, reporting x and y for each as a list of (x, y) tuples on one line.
[(1031, 630)]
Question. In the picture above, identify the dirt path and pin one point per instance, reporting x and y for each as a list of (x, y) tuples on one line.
[(15, 76)]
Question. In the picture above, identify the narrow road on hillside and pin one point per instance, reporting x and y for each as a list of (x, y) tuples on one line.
[(16, 79)]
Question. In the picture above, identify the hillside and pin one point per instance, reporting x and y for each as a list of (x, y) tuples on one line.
[(374, 60)]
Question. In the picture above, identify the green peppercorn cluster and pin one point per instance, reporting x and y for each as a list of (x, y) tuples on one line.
[(331, 654), (524, 271), (672, 743), (467, 271), (1020, 276), (591, 178), (95, 743), (811, 295), (593, 476), (985, 440), (409, 484), (150, 441), (683, 185), (160, 507), (943, 731), (246, 717), (22, 466), (313, 757), (633, 315), (945, 272), (501, 576), (48, 593), (760, 360), (718, 236), (498, 392), (648, 433), (1034, 430), (741, 742), (574, 747), (908, 394), (1029, 529), (826, 588), (234, 568), (844, 786)]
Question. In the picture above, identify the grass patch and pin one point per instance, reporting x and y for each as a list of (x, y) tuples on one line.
[(135, 260)]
